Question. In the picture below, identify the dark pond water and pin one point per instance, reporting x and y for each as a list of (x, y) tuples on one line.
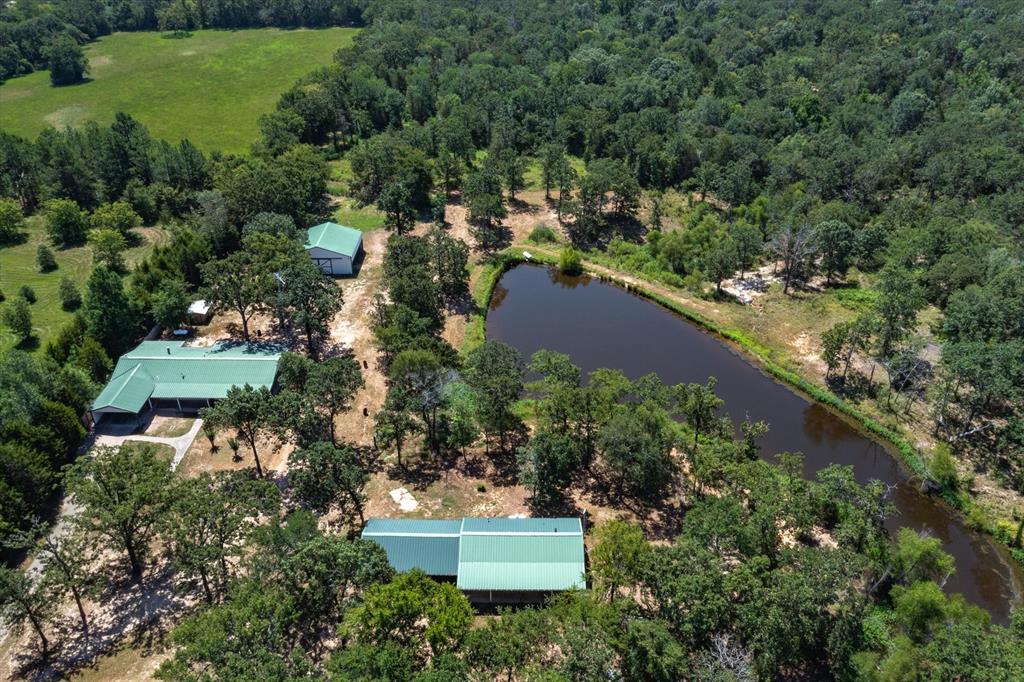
[(602, 325)]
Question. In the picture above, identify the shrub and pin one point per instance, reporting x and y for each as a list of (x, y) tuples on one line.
[(542, 234), (570, 261), (18, 318), (11, 221), (27, 293), (942, 468), (70, 296), (44, 259)]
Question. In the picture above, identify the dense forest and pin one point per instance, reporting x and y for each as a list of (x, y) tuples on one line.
[(824, 138)]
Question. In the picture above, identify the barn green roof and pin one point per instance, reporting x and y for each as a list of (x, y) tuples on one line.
[(429, 545), (335, 237), (170, 369), (497, 554)]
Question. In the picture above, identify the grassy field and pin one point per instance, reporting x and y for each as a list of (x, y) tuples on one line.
[(210, 87), (18, 267)]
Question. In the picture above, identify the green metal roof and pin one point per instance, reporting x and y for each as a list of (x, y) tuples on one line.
[(487, 554), (336, 238), (169, 369), (521, 554), (429, 545)]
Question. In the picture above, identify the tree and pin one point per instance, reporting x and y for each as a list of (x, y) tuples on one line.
[(65, 222), (331, 386), (117, 216), (238, 283), (11, 221), (720, 261), (835, 242), (794, 246), (747, 240), (90, 357), (511, 167), (17, 317), (899, 299), (251, 636), (495, 373), (652, 654), (45, 260), (395, 201), (700, 406), (482, 196), (210, 520), (24, 600), (170, 303), (272, 223), (310, 300), (418, 379), (554, 166), (67, 292), (250, 412), (66, 560), (124, 493), (108, 247), (844, 339), (66, 61), (617, 560), (636, 445), (325, 476), (546, 465), (110, 315), (450, 259), (410, 609)]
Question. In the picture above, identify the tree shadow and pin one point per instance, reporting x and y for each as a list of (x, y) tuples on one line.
[(28, 344), (143, 614)]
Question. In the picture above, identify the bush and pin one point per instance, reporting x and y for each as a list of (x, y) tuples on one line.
[(570, 262), (44, 259), (18, 318), (11, 221), (27, 293), (542, 234), (70, 296), (942, 468)]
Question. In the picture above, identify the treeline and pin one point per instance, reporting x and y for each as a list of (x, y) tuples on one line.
[(37, 36)]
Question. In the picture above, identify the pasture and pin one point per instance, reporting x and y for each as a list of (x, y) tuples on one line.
[(210, 87)]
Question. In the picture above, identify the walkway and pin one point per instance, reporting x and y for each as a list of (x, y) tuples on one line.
[(181, 444)]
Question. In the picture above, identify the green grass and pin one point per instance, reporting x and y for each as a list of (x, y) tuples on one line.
[(364, 219), (18, 267), (210, 87)]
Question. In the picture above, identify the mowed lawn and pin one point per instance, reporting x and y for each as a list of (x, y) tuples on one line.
[(210, 87), (18, 267)]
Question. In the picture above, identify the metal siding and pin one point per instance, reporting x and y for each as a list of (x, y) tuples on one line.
[(336, 238)]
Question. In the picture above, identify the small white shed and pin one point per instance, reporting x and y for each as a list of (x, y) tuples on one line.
[(334, 247), (199, 312)]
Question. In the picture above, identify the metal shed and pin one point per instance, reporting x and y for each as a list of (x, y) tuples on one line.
[(493, 560), (335, 248)]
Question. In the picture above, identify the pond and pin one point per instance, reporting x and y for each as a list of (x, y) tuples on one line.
[(601, 325)]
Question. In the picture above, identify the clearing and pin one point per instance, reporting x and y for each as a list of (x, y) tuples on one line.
[(210, 87)]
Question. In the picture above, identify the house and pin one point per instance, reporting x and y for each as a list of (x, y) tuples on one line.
[(335, 248), (492, 560), (171, 374)]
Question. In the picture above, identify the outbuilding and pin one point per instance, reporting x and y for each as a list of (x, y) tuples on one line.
[(492, 560), (335, 248)]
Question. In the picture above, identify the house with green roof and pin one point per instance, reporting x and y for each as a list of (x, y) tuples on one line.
[(492, 560), (335, 248), (170, 374)]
